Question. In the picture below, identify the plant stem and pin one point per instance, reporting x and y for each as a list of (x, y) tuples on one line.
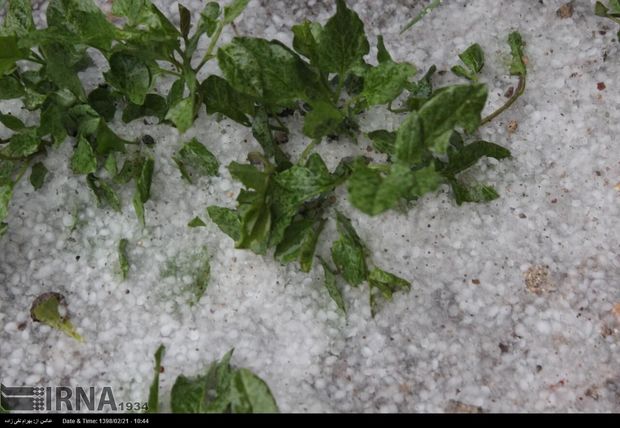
[(428, 9), (519, 91), (211, 47), (169, 72), (308, 150), (22, 171)]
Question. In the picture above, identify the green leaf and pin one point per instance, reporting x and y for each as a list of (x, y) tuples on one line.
[(131, 169), (517, 66), (185, 20), (188, 395), (383, 141), (323, 119), (256, 219), (266, 70), (6, 193), (222, 390), (614, 8), (343, 43), (123, 260), (103, 192), (385, 82), (130, 75), (299, 242), (600, 9), (3, 228), (53, 122), (425, 180), (409, 146), (103, 102), (22, 145), (18, 19), (83, 160), (143, 182), (332, 286), (108, 141), (382, 53), (138, 207), (473, 58), (387, 283), (209, 18), (196, 222), (470, 154), (473, 193), (175, 94), (373, 193), (233, 10), (154, 105), (110, 165), (194, 159), (182, 114), (153, 401), (250, 176), (305, 183), (305, 40), (10, 54), (37, 175), (421, 91), (261, 130), (82, 21), (45, 309), (209, 393), (11, 122), (348, 252), (459, 105), (227, 220), (60, 68), (10, 88), (250, 394), (143, 188), (220, 97)]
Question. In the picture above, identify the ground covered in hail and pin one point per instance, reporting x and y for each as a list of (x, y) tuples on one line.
[(514, 306)]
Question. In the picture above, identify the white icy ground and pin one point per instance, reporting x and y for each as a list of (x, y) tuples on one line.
[(468, 334)]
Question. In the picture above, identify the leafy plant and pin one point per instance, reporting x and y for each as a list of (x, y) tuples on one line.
[(40, 67), (222, 389), (285, 206), (325, 76)]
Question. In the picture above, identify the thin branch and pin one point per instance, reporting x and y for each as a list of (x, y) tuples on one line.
[(510, 102)]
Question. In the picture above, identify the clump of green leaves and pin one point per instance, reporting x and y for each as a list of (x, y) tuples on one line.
[(40, 67), (325, 76), (47, 309), (285, 206), (222, 389), (611, 11)]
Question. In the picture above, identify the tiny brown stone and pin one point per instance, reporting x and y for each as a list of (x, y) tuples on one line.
[(475, 281), (509, 92), (537, 280), (554, 201), (522, 215), (592, 392), (600, 86), (565, 11), (512, 126)]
